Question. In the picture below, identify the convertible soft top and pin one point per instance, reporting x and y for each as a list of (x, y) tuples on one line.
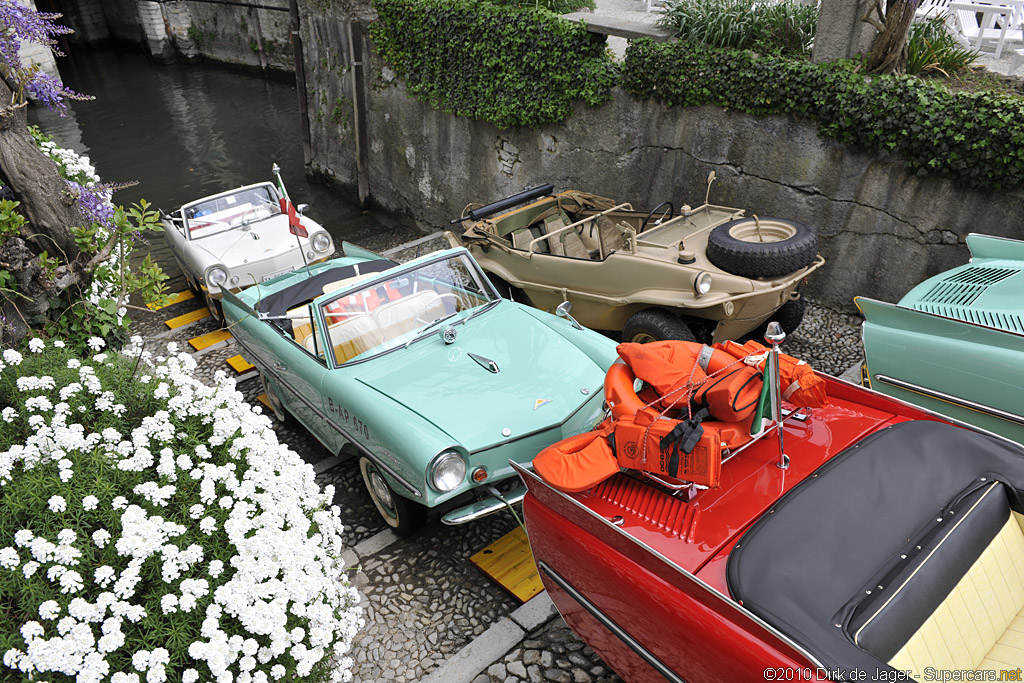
[(278, 303), (855, 562)]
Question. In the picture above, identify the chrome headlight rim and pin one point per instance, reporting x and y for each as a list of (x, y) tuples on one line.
[(320, 238), (702, 283), (445, 480), (216, 276)]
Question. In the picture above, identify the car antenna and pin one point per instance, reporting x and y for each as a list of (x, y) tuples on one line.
[(286, 203)]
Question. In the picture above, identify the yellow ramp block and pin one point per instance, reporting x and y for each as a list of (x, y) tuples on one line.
[(239, 364), (509, 561), (175, 299), (188, 318), (207, 340), (262, 398)]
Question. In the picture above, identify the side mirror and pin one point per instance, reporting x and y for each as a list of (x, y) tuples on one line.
[(301, 208), (562, 311), (711, 179)]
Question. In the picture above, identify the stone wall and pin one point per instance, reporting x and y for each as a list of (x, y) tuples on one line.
[(882, 229), (226, 32)]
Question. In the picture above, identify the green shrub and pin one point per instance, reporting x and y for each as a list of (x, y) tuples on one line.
[(556, 6), (974, 137), (787, 27), (154, 529), (931, 47), (506, 65)]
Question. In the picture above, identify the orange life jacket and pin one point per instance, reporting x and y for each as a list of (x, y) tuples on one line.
[(578, 462), (800, 385), (363, 301)]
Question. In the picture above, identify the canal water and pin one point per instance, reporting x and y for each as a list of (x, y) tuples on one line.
[(187, 131)]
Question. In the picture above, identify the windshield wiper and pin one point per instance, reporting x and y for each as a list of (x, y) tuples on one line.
[(429, 327), (486, 307)]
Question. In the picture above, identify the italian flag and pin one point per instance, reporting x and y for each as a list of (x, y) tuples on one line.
[(763, 413)]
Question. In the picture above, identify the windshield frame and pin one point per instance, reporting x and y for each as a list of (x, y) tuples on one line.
[(461, 255), (186, 220)]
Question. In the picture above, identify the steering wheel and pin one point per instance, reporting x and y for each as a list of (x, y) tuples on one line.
[(440, 297), (670, 213)]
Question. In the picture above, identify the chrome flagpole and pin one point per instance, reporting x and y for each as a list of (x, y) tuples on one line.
[(276, 170)]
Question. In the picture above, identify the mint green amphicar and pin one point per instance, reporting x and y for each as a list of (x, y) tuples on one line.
[(423, 372), (955, 343)]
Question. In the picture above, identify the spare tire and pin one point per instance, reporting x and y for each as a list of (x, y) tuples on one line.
[(762, 247)]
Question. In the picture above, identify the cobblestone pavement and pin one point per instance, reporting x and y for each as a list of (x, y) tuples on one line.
[(424, 601)]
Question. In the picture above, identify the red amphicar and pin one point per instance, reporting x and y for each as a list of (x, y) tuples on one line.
[(863, 539)]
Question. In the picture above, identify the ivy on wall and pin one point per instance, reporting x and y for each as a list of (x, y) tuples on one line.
[(973, 137), (506, 65)]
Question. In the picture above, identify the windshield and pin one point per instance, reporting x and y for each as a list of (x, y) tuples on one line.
[(387, 314), (228, 211)]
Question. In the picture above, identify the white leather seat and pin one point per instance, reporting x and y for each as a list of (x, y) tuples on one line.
[(400, 316), (353, 336)]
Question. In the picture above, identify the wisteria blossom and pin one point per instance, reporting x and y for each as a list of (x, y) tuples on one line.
[(203, 519)]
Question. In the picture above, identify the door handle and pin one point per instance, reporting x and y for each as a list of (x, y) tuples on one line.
[(278, 365)]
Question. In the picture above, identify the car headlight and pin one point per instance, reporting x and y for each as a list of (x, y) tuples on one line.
[(320, 242), (216, 275), (447, 471), (702, 283)]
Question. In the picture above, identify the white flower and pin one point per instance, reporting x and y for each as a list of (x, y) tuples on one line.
[(9, 558), (56, 504), (90, 502), (100, 537), (216, 567), (119, 503), (29, 568), (49, 610), (57, 343), (8, 414), (208, 525), (169, 603), (12, 357), (23, 537), (95, 343), (189, 676), (35, 345), (74, 363), (277, 671), (71, 582)]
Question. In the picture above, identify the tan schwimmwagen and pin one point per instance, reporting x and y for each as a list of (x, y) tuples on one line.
[(708, 273)]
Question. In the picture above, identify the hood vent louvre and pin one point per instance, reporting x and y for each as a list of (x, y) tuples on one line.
[(954, 297), (963, 288)]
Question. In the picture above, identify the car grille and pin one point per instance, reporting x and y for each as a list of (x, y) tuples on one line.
[(953, 297)]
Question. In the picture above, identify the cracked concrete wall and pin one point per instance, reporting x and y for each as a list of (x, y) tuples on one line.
[(882, 228)]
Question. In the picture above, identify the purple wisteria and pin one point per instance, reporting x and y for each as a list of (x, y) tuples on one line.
[(94, 202), (19, 24)]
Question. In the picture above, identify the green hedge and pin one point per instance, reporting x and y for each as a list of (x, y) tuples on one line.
[(509, 66), (974, 137)]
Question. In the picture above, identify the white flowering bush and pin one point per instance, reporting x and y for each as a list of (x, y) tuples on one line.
[(153, 529)]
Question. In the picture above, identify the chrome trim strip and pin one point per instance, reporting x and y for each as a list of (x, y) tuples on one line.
[(607, 622), (961, 402), (484, 507), (320, 414), (692, 577)]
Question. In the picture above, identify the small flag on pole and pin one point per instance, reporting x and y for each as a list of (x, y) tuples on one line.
[(295, 226), (763, 413)]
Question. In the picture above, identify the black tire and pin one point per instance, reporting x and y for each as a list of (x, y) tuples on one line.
[(788, 246), (790, 314), (280, 413), (401, 514), (216, 310), (655, 324)]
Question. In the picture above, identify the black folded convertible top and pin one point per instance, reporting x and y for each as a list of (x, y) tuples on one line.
[(804, 567), (279, 303)]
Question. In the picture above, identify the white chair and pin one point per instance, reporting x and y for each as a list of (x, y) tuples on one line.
[(353, 336), (400, 316), (996, 26), (931, 9)]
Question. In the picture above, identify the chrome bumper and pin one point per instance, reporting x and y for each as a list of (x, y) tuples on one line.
[(485, 506)]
